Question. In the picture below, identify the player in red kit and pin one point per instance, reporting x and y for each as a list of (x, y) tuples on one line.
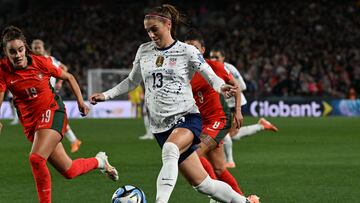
[(38, 47), (216, 118), (42, 113)]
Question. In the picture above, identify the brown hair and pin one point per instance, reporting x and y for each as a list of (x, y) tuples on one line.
[(167, 12), (194, 34), (12, 33)]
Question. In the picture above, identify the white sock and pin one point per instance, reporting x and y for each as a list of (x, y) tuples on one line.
[(147, 124), (219, 191), (248, 130), (228, 148), (70, 135), (169, 172)]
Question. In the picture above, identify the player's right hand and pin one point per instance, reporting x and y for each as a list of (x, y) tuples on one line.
[(84, 109), (96, 97), (228, 90), (1, 126)]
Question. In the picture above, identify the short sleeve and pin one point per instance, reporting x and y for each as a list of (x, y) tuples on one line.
[(196, 59)]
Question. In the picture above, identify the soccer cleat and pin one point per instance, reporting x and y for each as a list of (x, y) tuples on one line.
[(75, 146), (230, 164), (147, 137), (109, 170), (253, 199), (267, 125)]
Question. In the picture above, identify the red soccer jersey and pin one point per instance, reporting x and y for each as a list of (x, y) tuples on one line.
[(210, 103), (30, 86)]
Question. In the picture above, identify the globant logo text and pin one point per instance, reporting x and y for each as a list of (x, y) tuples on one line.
[(281, 109)]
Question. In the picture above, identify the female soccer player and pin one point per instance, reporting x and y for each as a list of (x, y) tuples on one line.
[(42, 113), (38, 47), (218, 54), (167, 65), (216, 116)]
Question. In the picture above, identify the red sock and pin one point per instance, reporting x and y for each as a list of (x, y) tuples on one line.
[(229, 179), (208, 168), (42, 177), (80, 166)]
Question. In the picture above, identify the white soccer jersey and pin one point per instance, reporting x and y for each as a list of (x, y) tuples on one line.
[(57, 64), (166, 74), (236, 74)]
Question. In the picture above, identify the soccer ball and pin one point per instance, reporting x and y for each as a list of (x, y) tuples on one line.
[(128, 194)]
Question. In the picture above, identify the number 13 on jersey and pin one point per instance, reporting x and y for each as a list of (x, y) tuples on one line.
[(158, 80)]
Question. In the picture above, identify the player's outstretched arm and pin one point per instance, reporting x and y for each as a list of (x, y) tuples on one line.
[(96, 97), (238, 117), (68, 77)]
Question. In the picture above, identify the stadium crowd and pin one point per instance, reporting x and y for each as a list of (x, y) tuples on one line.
[(282, 48)]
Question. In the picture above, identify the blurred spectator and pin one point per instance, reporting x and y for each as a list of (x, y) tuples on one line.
[(282, 48)]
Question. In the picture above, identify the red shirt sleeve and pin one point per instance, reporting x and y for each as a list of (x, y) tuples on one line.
[(219, 69)]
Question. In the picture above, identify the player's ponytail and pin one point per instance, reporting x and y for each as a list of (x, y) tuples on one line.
[(14, 33), (167, 12)]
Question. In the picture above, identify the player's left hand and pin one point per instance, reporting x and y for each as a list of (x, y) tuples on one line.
[(1, 126), (228, 90), (84, 109), (238, 119)]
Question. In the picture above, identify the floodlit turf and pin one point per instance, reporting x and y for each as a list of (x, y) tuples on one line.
[(309, 160)]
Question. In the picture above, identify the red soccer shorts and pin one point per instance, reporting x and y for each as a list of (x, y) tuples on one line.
[(216, 129), (55, 119)]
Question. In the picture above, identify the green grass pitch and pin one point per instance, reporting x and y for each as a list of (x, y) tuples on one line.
[(309, 160)]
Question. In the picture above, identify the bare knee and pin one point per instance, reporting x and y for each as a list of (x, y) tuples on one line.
[(219, 170), (219, 166)]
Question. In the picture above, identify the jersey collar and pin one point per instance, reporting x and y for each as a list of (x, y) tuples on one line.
[(166, 48)]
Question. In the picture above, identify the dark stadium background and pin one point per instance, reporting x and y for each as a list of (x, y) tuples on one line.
[(282, 48), (296, 53)]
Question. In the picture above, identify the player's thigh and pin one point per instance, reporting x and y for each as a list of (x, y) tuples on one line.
[(216, 157), (182, 138), (60, 159), (45, 141), (207, 144), (192, 170)]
